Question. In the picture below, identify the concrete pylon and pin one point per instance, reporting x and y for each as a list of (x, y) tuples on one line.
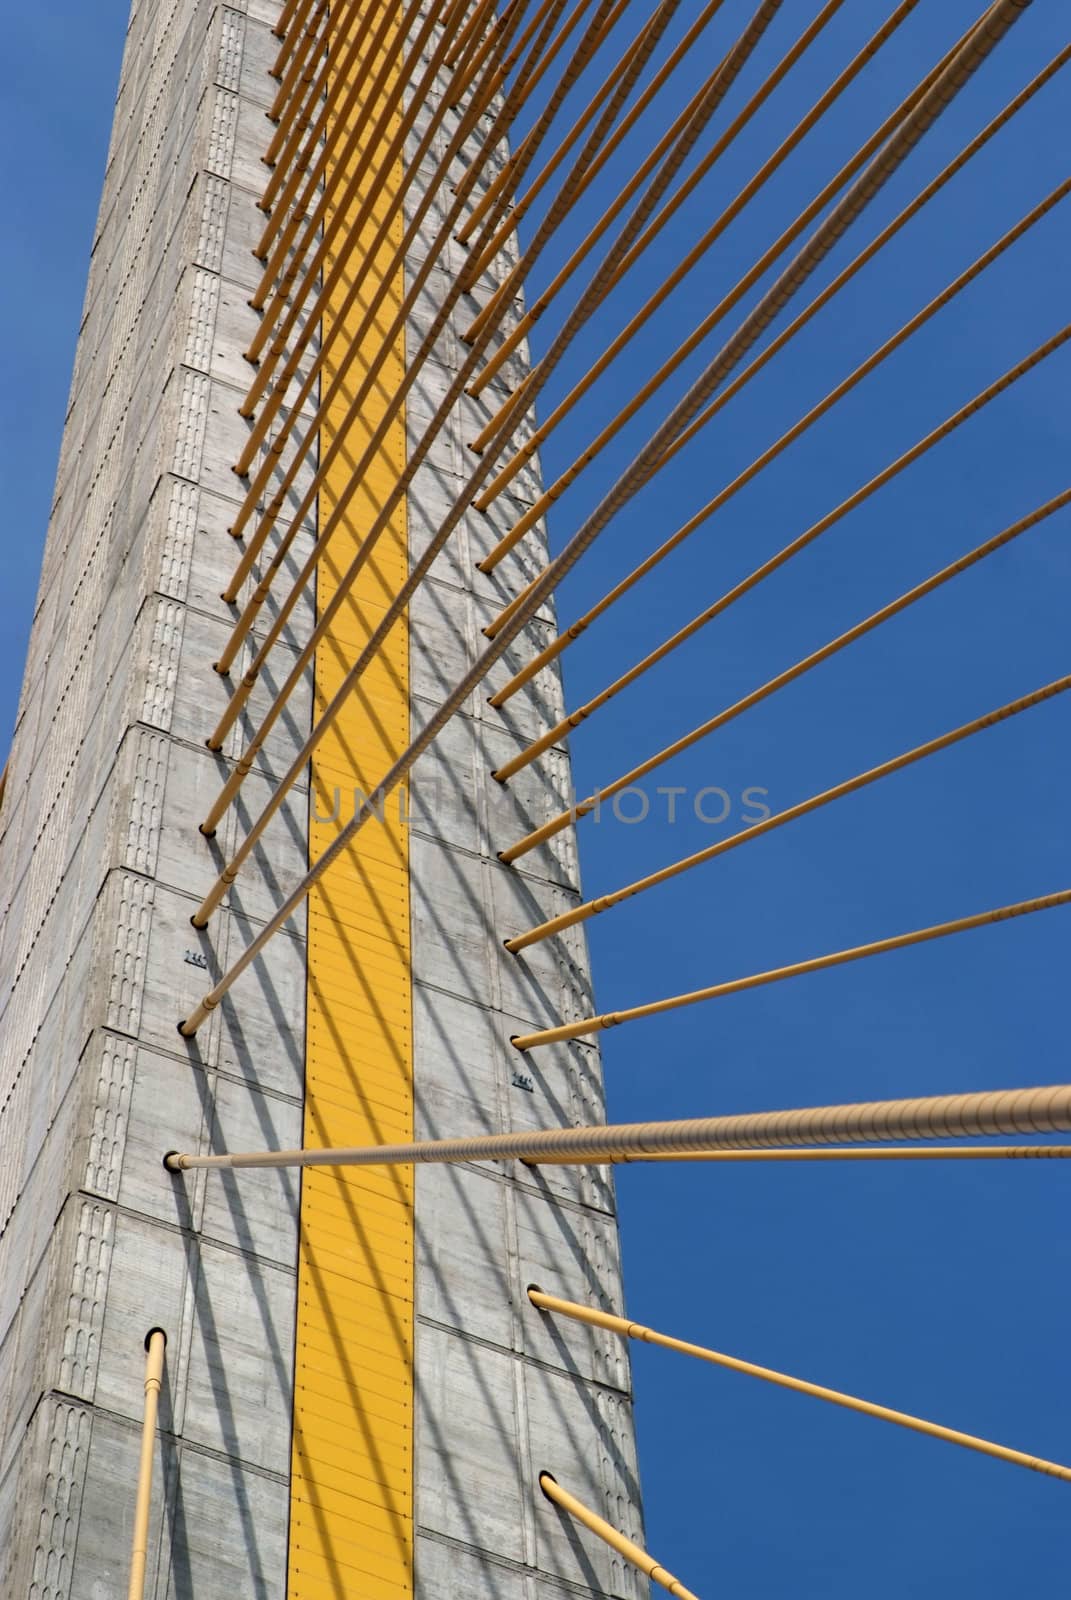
[(358, 1398)]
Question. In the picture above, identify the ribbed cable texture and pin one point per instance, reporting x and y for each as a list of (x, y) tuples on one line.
[(997, 1111)]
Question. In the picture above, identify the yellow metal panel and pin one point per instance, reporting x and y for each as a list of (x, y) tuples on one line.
[(333, 1235), (368, 1181), (377, 1336), (360, 1553), (368, 1187), (351, 1514)]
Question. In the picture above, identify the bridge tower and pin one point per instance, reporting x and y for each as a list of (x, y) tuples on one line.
[(357, 1397), (309, 1273)]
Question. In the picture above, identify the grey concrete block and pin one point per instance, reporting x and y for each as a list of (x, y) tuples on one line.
[(468, 1469), (227, 1534), (147, 1287), (463, 1254), (101, 1557), (450, 1572), (262, 1020), (163, 1080), (240, 1365), (254, 1210)]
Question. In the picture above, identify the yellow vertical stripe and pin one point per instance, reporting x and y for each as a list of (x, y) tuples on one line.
[(351, 1513)]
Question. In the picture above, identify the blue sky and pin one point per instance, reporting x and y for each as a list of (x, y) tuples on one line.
[(939, 1289)]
